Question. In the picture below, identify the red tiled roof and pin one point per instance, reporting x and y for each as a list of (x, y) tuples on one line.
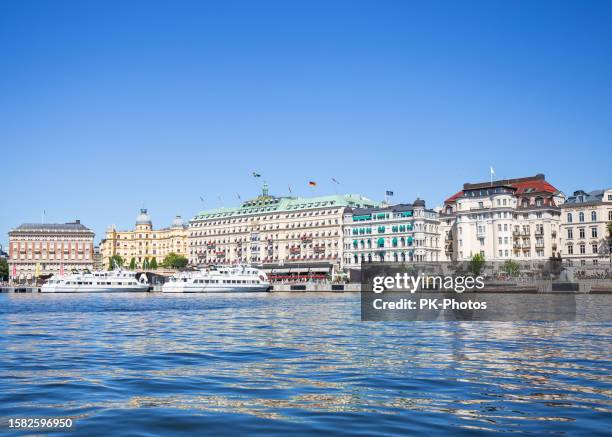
[(535, 184), (538, 186), (454, 197)]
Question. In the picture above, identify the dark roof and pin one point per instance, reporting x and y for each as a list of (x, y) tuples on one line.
[(526, 185), (57, 227), (419, 202), (400, 207), (580, 197)]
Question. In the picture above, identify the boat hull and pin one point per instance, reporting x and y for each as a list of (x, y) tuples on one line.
[(89, 289), (213, 288)]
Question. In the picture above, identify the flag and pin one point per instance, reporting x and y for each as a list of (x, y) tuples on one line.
[(388, 193), (201, 198), (289, 186), (335, 181), (239, 198), (37, 270), (312, 183), (256, 175), (492, 171)]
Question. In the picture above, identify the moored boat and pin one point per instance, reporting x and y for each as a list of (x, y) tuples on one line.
[(96, 282), (218, 279)]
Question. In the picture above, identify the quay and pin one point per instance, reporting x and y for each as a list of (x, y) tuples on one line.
[(20, 289)]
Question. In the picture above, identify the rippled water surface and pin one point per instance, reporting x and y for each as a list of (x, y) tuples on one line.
[(280, 364)]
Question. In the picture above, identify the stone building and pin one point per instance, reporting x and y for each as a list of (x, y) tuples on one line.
[(270, 230), (38, 249), (144, 243), (392, 233), (516, 219), (585, 237)]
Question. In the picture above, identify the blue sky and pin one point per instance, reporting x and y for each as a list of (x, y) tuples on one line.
[(109, 106)]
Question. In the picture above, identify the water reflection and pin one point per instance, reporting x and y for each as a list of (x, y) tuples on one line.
[(295, 361)]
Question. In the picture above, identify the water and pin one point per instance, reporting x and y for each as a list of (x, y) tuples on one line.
[(293, 364)]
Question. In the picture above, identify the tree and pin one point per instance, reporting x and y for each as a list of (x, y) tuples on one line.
[(133, 264), (115, 261), (145, 263), (511, 268), (476, 264), (4, 269), (153, 264), (174, 261)]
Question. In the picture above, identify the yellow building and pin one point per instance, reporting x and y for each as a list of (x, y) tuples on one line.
[(144, 242)]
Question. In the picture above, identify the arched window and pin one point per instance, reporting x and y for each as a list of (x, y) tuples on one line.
[(539, 201), (569, 217), (581, 216), (525, 203), (381, 242), (593, 216), (395, 257)]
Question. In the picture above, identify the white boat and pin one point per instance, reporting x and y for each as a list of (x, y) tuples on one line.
[(96, 282), (218, 279)]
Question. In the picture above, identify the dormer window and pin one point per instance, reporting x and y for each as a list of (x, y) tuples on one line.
[(539, 201), (525, 203)]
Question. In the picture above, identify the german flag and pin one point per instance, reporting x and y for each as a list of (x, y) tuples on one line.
[(312, 183)]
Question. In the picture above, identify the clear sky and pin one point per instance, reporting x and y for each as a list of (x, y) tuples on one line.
[(108, 106)]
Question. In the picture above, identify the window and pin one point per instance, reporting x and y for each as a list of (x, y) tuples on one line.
[(594, 248), (570, 233), (593, 216), (581, 217), (569, 217), (594, 232), (582, 248), (570, 249), (581, 232)]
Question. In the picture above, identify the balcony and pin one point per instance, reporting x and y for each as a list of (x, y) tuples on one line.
[(526, 248), (481, 233), (539, 245), (539, 232)]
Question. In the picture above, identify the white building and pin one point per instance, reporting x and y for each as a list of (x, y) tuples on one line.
[(585, 238), (515, 219), (396, 233), (271, 230)]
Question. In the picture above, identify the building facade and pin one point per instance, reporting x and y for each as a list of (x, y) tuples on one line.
[(144, 244), (38, 249), (585, 237), (273, 230), (516, 219), (395, 233)]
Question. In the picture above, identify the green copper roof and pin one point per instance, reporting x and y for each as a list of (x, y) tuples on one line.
[(267, 204)]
